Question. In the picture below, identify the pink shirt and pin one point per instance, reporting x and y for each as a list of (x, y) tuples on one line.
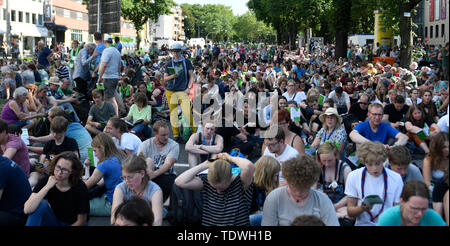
[(21, 157)]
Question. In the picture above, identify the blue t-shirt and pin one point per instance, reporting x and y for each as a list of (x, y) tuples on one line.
[(383, 134), (100, 47), (111, 169), (42, 57), (15, 186), (300, 72), (392, 217), (82, 136)]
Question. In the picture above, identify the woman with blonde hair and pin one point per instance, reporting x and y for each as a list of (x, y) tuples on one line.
[(137, 183), (265, 179), (380, 91), (109, 169), (225, 202)]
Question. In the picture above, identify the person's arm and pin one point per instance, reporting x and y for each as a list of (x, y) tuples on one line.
[(117, 200), (213, 149), (102, 70), (35, 199), (91, 122), (85, 59), (426, 171), (10, 153), (246, 166), (21, 115), (411, 128), (315, 144), (299, 145), (168, 163), (353, 210), (192, 147), (42, 139), (357, 138), (402, 139), (189, 180), (94, 179), (157, 208)]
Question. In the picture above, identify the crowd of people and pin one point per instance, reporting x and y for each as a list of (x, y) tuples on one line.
[(273, 137)]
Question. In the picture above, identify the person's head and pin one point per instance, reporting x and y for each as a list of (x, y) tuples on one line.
[(134, 172), (291, 86), (41, 44), (275, 144), (90, 47), (399, 158), (97, 96), (266, 176), (58, 127), (414, 201), (330, 118), (284, 119), (375, 113), (307, 220), (300, 173), (399, 102), (438, 148), (415, 115), (415, 93), (220, 175), (427, 96), (3, 132), (108, 40), (54, 83), (140, 99), (209, 128), (328, 154), (20, 95), (65, 84), (372, 155), (134, 212), (161, 131), (116, 127), (105, 148), (329, 103), (339, 91), (67, 166), (142, 87), (54, 112), (116, 39)]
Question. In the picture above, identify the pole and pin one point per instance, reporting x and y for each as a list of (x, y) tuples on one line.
[(8, 29), (99, 8)]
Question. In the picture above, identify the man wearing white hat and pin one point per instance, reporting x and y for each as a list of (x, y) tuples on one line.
[(59, 99), (178, 80), (110, 68)]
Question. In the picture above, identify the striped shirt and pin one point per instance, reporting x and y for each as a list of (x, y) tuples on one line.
[(63, 72), (229, 208)]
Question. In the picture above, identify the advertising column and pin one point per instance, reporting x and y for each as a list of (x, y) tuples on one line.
[(384, 36)]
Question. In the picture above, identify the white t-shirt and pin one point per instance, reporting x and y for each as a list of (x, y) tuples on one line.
[(128, 141), (443, 123), (288, 153), (373, 186), (298, 96)]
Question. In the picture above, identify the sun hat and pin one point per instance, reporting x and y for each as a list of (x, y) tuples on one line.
[(330, 111), (54, 80)]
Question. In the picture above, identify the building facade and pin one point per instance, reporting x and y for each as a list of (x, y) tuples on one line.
[(168, 27), (27, 23), (436, 22)]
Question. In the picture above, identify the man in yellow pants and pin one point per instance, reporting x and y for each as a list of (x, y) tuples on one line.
[(178, 80)]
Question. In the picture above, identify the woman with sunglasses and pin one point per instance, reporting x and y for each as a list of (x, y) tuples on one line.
[(60, 199), (137, 183)]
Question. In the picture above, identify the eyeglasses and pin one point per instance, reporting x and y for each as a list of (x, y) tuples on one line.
[(363, 103), (61, 170), (376, 115)]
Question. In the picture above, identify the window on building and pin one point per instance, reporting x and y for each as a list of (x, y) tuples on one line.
[(41, 20), (77, 35), (27, 17), (13, 15), (79, 15), (437, 31), (20, 15), (442, 30), (426, 31), (431, 31), (73, 14), (59, 11), (4, 14), (66, 13)]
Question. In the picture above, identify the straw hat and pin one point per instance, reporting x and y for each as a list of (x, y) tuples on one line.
[(54, 80), (330, 111)]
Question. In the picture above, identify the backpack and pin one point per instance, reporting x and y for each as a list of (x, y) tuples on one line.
[(185, 207)]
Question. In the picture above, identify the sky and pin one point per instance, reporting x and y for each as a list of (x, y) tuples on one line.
[(239, 7)]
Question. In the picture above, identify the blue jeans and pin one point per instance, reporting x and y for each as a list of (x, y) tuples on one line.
[(146, 131), (68, 106), (44, 216)]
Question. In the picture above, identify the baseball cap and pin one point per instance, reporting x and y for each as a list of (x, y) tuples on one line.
[(108, 38), (177, 46)]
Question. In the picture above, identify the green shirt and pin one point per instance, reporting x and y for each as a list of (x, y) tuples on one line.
[(144, 114)]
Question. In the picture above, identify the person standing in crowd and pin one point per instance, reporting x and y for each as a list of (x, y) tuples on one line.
[(45, 54), (109, 71), (373, 179), (118, 44), (178, 80), (60, 199), (413, 209), (82, 66)]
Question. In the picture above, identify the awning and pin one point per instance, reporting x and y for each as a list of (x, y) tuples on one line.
[(31, 32), (53, 26)]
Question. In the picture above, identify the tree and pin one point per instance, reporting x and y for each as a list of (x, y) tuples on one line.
[(140, 11), (248, 28)]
